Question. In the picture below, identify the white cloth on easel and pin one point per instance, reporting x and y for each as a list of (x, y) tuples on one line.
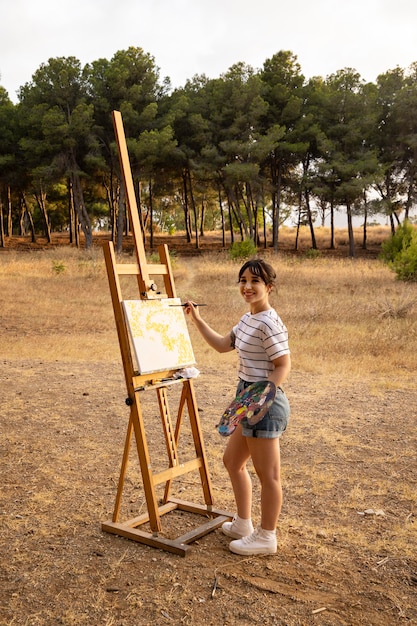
[(187, 372)]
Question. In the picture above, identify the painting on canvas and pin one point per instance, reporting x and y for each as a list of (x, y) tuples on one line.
[(159, 334)]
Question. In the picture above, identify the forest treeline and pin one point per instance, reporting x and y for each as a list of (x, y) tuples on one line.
[(242, 153)]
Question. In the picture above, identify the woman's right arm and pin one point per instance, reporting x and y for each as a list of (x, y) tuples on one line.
[(215, 340)]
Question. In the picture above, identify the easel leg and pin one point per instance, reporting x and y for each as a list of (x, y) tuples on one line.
[(123, 470), (198, 442), (188, 397), (145, 465)]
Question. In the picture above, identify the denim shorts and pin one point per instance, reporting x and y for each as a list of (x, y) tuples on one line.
[(274, 423)]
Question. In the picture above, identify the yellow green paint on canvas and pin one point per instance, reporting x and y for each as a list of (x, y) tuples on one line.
[(159, 334)]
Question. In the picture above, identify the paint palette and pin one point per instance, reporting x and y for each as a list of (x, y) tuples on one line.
[(253, 402)]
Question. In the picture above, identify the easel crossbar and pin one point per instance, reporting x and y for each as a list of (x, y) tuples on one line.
[(177, 470), (131, 269)]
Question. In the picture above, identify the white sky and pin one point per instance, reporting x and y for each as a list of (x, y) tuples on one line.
[(188, 37)]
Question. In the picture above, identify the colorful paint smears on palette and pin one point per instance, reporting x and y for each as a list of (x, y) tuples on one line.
[(253, 402), (159, 334)]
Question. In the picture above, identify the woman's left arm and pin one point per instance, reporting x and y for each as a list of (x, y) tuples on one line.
[(282, 367)]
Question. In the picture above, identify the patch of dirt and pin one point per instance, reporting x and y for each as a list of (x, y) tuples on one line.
[(347, 450)]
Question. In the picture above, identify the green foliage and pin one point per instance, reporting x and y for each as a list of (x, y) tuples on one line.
[(405, 263), (58, 267), (242, 249), (401, 239), (153, 257), (312, 253), (247, 140), (400, 252)]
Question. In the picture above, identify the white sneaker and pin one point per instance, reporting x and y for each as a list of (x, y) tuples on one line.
[(238, 527), (259, 542)]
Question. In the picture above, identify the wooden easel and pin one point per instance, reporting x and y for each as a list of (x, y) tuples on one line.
[(137, 383)]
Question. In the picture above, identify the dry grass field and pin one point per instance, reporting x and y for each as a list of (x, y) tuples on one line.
[(347, 535)]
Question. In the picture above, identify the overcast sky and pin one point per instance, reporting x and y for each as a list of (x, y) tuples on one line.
[(188, 37)]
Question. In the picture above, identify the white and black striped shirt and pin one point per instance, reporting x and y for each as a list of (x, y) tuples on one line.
[(259, 339)]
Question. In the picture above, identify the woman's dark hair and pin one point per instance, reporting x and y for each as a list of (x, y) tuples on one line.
[(260, 268)]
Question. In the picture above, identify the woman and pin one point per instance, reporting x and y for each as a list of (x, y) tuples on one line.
[(261, 340)]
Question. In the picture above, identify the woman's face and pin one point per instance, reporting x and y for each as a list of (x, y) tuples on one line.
[(254, 291)]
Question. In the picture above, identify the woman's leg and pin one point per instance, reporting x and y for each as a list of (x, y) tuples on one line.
[(235, 459), (266, 460)]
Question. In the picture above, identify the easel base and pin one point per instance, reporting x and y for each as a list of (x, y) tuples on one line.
[(179, 545)]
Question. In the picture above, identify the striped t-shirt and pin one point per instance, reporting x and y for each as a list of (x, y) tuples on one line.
[(258, 339)]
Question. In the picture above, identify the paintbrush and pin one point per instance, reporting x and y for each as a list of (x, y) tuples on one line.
[(187, 304)]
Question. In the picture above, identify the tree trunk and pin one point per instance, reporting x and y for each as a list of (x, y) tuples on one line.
[(254, 212), (276, 204), (247, 201), (229, 209), (41, 201), (186, 207), (151, 212), (310, 220), (112, 202), (80, 208), (197, 240), (365, 223), (9, 221), (2, 239), (75, 233), (203, 216), (392, 225), (121, 210), (297, 232), (332, 241), (26, 213), (71, 212), (264, 225), (143, 222), (22, 228), (222, 217), (239, 217), (409, 201), (238, 221), (350, 231), (255, 225), (300, 201)]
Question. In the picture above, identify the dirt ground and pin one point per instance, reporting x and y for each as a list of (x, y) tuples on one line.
[(347, 536), (63, 429)]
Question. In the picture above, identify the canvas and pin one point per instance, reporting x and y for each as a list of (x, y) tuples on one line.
[(159, 334)]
